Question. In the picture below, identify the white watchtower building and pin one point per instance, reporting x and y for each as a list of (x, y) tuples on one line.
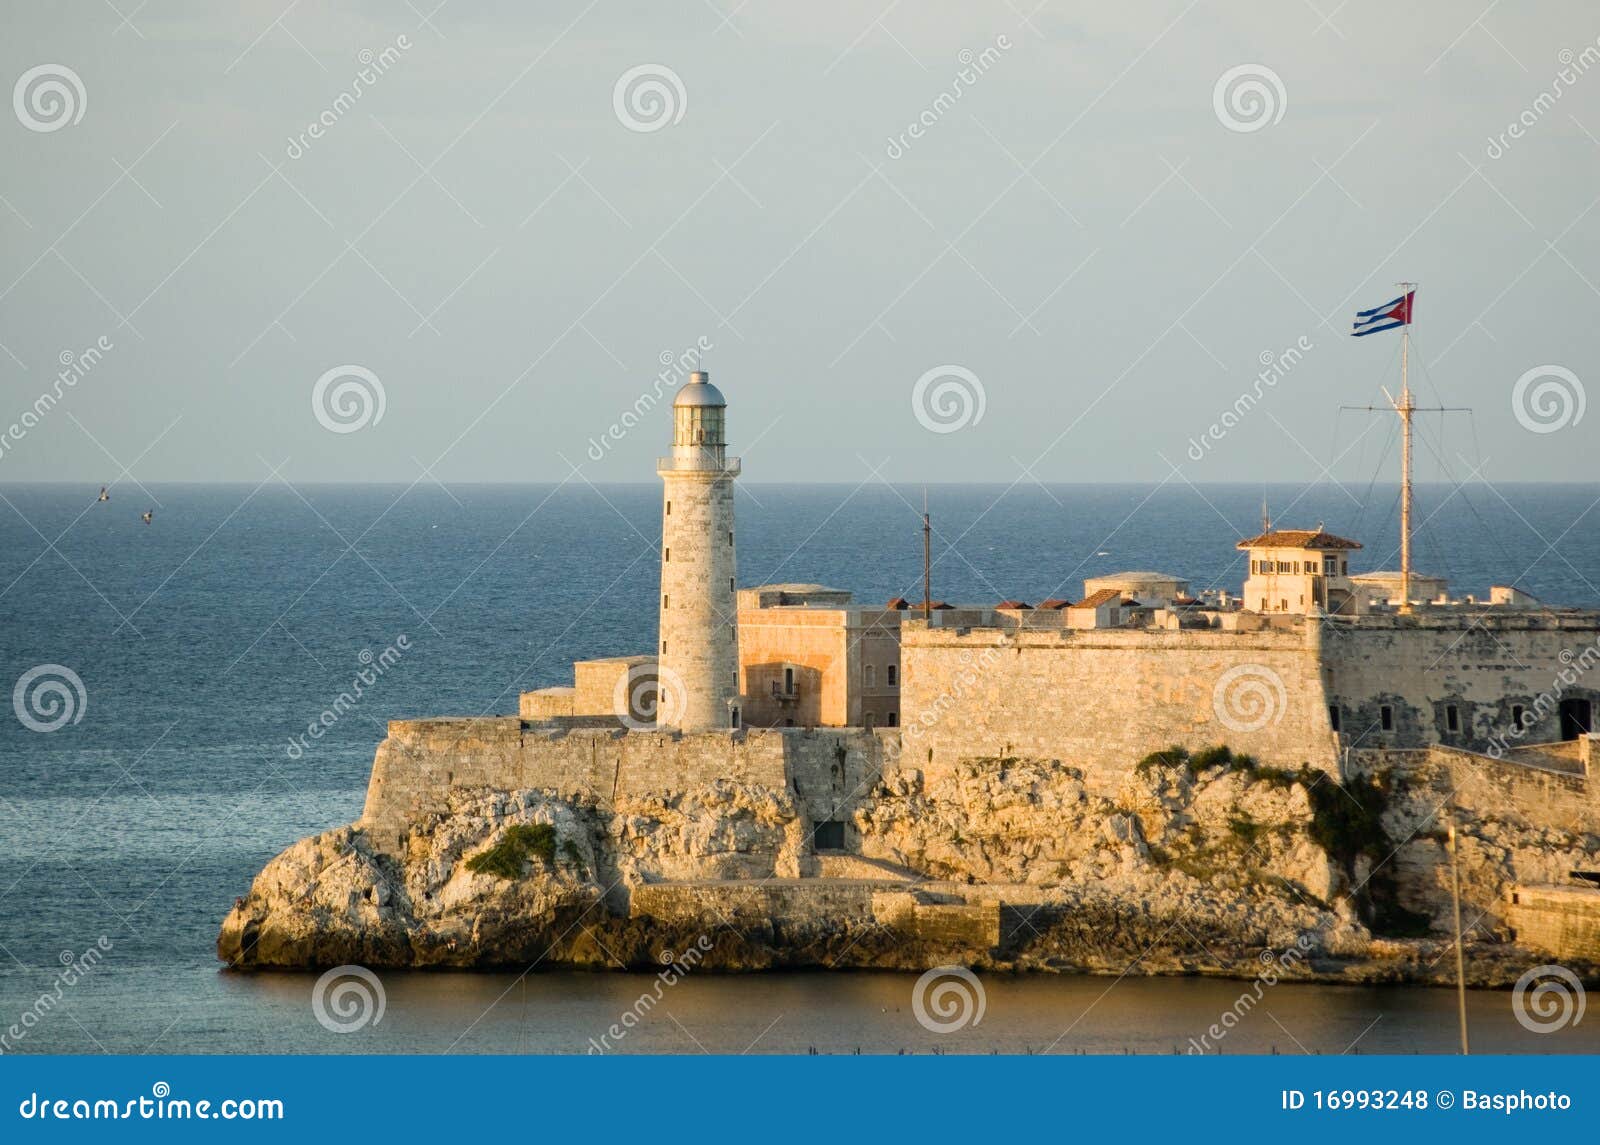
[(699, 653)]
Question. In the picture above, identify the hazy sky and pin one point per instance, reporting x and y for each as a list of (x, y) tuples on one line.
[(1098, 231)]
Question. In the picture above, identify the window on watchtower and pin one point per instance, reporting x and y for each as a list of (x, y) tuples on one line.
[(664, 600), (669, 508)]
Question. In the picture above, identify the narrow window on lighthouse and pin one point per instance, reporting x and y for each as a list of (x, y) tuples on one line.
[(666, 554), (730, 536), (664, 599), (669, 508)]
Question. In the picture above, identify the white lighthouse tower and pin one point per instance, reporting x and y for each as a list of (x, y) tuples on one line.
[(699, 653)]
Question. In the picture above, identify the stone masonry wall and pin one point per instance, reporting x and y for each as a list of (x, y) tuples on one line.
[(422, 760), (1102, 699), (1483, 665)]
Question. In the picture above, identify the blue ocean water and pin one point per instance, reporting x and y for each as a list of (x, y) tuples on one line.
[(210, 637)]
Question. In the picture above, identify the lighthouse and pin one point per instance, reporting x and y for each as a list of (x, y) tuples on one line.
[(699, 652)]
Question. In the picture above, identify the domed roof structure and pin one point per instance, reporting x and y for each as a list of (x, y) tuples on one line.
[(698, 391)]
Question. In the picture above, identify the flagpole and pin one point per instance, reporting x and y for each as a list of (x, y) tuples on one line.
[(1405, 410)]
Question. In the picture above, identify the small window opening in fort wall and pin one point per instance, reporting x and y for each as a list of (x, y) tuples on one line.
[(1333, 716), (1386, 718), (1577, 718), (1452, 718), (829, 835)]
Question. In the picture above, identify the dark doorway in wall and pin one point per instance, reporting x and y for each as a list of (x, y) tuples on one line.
[(1577, 718), (829, 836)]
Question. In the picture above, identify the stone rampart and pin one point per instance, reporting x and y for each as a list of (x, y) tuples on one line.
[(1102, 699), (421, 761), (1565, 921)]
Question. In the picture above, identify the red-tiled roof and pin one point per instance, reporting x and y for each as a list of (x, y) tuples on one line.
[(1104, 596), (1055, 602), (1298, 539), (1013, 604), (899, 603)]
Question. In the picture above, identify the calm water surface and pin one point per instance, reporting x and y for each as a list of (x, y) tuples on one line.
[(209, 638)]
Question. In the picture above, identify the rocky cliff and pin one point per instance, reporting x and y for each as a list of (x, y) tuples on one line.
[(1200, 864)]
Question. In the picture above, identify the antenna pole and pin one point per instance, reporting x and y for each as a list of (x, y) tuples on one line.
[(927, 558), (1405, 409)]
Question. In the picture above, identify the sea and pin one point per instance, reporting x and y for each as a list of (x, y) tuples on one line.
[(164, 675)]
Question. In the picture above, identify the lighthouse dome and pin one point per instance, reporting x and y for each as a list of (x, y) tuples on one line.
[(698, 391)]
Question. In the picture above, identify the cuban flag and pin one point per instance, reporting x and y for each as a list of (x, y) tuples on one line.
[(1386, 317)]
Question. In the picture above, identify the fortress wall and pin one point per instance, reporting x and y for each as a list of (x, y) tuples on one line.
[(1562, 920), (755, 903), (1482, 664), (1102, 699), (422, 760), (1490, 788)]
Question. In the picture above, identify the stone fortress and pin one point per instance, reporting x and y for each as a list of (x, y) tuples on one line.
[(788, 758)]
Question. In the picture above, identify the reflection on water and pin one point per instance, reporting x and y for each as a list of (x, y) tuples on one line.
[(561, 1012)]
